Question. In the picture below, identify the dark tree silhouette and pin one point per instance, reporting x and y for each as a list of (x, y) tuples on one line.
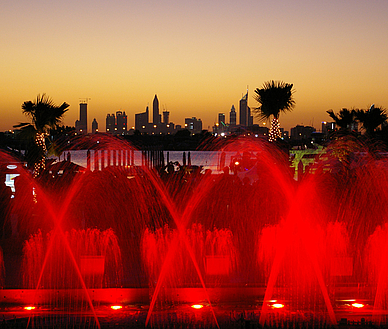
[(345, 119), (371, 119), (274, 97), (44, 115)]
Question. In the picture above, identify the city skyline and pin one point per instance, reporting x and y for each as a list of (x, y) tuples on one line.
[(198, 58)]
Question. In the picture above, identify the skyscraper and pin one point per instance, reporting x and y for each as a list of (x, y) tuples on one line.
[(121, 122), (142, 120), (94, 126), (250, 117), (155, 111), (244, 116), (110, 123), (166, 117), (81, 125), (221, 119), (232, 116)]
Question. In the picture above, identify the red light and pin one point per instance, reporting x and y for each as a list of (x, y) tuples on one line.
[(358, 305), (277, 305), (29, 308), (116, 307), (197, 306), (217, 265)]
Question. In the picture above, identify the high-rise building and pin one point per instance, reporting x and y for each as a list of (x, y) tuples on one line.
[(244, 115), (250, 117), (232, 116), (155, 111), (81, 125), (141, 120), (121, 123), (166, 117), (94, 126), (117, 124), (221, 119), (110, 123), (220, 127)]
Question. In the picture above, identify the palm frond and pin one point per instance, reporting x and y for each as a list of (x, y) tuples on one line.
[(22, 124), (344, 118), (274, 97), (28, 131), (44, 113), (372, 118)]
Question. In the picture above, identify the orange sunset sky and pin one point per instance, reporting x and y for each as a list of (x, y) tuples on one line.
[(198, 56)]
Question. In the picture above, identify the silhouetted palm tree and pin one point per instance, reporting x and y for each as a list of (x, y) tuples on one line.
[(44, 115), (274, 97), (371, 119), (345, 119)]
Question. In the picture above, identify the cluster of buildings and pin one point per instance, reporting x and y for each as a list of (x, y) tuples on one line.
[(117, 123), (161, 124), (223, 128), (246, 125), (245, 116), (81, 125), (153, 122)]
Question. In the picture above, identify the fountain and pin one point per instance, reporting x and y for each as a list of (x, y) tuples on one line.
[(92, 249), (251, 247)]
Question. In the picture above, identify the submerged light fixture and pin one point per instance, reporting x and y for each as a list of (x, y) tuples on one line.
[(29, 308), (358, 305), (277, 305)]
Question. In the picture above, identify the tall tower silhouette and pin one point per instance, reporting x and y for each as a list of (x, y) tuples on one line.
[(166, 117), (232, 116), (83, 116), (81, 125), (155, 111), (94, 126), (244, 115)]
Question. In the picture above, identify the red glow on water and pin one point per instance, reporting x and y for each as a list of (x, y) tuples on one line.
[(197, 306), (116, 307), (29, 308)]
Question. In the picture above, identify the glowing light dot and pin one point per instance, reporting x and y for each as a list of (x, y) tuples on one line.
[(277, 305), (358, 305), (29, 308), (197, 306), (116, 307)]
